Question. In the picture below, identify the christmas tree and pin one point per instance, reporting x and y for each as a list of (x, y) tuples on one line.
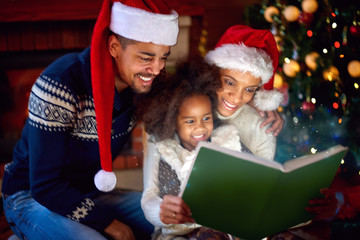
[(319, 72)]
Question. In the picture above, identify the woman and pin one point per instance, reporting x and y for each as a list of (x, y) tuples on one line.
[(248, 59)]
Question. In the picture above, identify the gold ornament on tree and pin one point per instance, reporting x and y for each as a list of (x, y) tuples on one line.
[(270, 12), (331, 73), (310, 60), (354, 68), (309, 6), (291, 13), (278, 81), (291, 68)]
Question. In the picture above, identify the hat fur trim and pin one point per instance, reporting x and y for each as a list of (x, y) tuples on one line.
[(129, 22), (267, 100), (242, 58)]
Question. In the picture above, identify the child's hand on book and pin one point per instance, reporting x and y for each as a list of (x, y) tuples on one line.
[(324, 208), (173, 210)]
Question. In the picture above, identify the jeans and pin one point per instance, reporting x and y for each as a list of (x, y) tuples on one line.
[(30, 220)]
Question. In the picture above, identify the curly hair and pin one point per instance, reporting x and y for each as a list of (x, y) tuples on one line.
[(159, 108)]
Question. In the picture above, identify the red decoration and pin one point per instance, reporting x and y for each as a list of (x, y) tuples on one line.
[(306, 18), (307, 107), (355, 31)]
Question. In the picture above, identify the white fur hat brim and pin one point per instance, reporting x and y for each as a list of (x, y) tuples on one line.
[(144, 26), (242, 58)]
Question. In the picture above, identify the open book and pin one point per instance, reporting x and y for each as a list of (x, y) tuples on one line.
[(252, 198)]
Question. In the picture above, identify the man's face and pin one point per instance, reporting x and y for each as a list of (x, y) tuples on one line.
[(139, 63)]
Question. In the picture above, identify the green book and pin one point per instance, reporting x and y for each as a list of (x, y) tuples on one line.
[(252, 198)]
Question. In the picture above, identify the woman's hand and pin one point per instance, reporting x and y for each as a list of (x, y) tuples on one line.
[(173, 210), (119, 231), (324, 208)]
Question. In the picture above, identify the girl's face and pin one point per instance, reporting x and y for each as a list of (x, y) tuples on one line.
[(194, 122), (238, 88)]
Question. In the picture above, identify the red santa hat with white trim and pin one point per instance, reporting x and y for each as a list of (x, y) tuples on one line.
[(141, 20), (245, 49)]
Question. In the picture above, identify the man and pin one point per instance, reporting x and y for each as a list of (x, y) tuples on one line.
[(49, 190)]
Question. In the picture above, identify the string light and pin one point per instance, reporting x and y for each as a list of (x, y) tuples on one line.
[(313, 150), (335, 105), (325, 50), (313, 100), (337, 44), (342, 56), (309, 33), (356, 85), (334, 25), (340, 121)]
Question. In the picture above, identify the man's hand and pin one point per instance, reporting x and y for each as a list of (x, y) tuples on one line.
[(119, 231), (273, 118), (173, 210)]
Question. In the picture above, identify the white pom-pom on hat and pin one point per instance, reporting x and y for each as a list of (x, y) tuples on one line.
[(105, 181)]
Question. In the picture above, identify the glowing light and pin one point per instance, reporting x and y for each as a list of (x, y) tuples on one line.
[(287, 60), (335, 105), (309, 33), (342, 161), (336, 94), (333, 14), (295, 120), (342, 55), (334, 25), (336, 44), (313, 150), (356, 85), (325, 50), (340, 121), (313, 100)]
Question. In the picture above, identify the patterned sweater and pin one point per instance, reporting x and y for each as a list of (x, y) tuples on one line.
[(58, 153)]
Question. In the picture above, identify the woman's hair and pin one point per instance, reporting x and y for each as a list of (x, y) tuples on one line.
[(159, 108)]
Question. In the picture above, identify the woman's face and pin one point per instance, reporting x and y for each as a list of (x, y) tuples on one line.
[(238, 88), (194, 122)]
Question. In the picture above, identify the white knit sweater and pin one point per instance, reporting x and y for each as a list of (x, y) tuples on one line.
[(180, 160), (248, 122)]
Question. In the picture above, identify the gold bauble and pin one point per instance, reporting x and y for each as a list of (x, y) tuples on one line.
[(309, 6), (331, 73), (291, 68), (270, 12), (354, 68), (278, 81), (291, 13), (310, 60)]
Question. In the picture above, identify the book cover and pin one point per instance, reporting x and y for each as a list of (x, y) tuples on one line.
[(253, 198)]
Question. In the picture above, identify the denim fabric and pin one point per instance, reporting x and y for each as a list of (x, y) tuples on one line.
[(30, 220)]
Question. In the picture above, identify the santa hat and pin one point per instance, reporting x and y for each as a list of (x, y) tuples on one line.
[(251, 50), (141, 20)]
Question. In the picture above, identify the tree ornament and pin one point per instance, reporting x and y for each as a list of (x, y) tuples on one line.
[(355, 30), (279, 43), (309, 6), (291, 13), (310, 60), (331, 73), (278, 81), (270, 12), (291, 68), (354, 68), (306, 18), (307, 107)]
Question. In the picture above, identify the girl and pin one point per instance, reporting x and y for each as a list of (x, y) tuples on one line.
[(180, 114)]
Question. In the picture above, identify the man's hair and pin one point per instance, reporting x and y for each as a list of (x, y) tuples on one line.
[(160, 107), (123, 40)]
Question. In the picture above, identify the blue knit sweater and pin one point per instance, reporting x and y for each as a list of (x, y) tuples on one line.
[(58, 153)]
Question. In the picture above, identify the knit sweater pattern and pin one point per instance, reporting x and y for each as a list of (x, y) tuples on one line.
[(58, 153)]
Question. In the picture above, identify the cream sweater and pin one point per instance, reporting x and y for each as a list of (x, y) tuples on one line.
[(248, 123), (180, 160)]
